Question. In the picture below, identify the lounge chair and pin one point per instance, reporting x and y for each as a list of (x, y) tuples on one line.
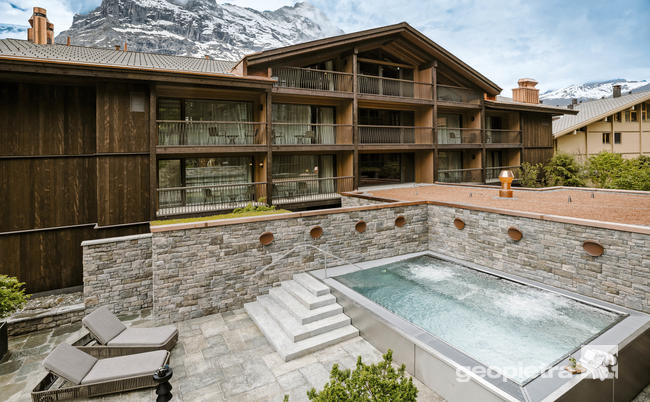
[(76, 374), (109, 337)]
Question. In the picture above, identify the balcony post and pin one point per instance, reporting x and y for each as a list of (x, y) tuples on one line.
[(483, 153), (269, 148), (434, 80), (355, 118), (153, 164)]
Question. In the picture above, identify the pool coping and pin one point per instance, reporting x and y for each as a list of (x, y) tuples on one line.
[(632, 324)]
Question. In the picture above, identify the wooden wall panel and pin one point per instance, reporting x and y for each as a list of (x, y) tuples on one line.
[(537, 130), (537, 155), (118, 128), (47, 192), (122, 189), (40, 119), (52, 259)]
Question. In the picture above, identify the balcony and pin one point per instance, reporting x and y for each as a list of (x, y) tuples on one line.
[(306, 190), (447, 93), (199, 199), (317, 80), (492, 173), (222, 133), (460, 136), (502, 136), (370, 134), (394, 87), (311, 134), (460, 176)]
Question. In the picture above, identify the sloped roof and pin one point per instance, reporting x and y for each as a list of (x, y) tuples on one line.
[(592, 111), (23, 49), (437, 52)]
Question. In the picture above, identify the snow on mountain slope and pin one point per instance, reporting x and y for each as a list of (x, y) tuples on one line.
[(197, 27), (591, 90)]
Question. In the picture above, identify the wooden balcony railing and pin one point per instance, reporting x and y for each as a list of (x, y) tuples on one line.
[(492, 173), (369, 134), (190, 200), (300, 190), (369, 84), (502, 136), (448, 135), (310, 134), (181, 132), (460, 176), (449, 93), (308, 78)]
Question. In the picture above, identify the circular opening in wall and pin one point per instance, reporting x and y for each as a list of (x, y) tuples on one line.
[(266, 238), (400, 221), (514, 233), (459, 223), (593, 248), (360, 226), (316, 232)]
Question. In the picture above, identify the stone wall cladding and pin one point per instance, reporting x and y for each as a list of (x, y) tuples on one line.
[(56, 318), (118, 273), (549, 252), (358, 202), (208, 270)]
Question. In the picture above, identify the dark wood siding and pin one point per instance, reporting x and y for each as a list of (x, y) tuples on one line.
[(72, 157), (537, 137)]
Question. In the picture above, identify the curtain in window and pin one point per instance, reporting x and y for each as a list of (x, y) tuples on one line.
[(299, 131), (327, 134), (221, 125)]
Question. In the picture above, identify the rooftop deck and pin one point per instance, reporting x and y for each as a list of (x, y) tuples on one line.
[(627, 207)]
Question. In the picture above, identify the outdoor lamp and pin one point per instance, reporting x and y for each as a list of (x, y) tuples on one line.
[(506, 177)]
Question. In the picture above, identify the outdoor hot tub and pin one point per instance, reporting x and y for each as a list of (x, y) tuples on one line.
[(472, 333)]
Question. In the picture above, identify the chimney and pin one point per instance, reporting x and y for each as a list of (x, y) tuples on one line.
[(125, 48), (42, 30), (117, 47), (616, 91), (526, 93), (67, 42)]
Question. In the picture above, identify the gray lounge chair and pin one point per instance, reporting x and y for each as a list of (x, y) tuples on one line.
[(109, 337), (76, 374)]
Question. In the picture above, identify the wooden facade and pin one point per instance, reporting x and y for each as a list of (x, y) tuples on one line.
[(83, 145)]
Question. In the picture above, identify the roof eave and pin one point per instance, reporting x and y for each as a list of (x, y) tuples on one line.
[(539, 108)]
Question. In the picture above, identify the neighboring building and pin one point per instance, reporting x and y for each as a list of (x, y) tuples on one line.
[(98, 142), (619, 124)]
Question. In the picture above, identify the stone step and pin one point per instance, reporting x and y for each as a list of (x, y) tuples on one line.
[(302, 313), (280, 341), (313, 285), (305, 297), (293, 328)]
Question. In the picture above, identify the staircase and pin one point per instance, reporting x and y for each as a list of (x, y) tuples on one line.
[(300, 317)]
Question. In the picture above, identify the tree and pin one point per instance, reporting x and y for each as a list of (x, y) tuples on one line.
[(604, 168), (375, 382), (529, 175), (563, 170), (634, 174)]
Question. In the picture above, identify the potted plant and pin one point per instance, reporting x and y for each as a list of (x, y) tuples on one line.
[(12, 297)]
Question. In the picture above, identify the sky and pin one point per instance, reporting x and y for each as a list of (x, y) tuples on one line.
[(556, 42)]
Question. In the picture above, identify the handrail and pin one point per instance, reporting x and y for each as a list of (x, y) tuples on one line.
[(326, 253), (458, 170), (245, 183), (314, 70), (394, 79), (288, 123), (211, 121)]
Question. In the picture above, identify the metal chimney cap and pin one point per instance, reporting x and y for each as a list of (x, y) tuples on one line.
[(506, 173)]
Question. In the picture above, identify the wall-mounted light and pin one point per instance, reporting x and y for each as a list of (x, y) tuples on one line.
[(261, 165)]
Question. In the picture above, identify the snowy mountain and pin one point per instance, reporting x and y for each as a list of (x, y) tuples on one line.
[(196, 27), (591, 91), (13, 31)]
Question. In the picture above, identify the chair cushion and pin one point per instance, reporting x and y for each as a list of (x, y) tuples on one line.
[(69, 363), (103, 325), (116, 368), (144, 336)]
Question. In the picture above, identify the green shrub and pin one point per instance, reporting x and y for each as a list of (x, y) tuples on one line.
[(12, 295), (634, 174), (529, 175), (603, 168), (252, 208), (375, 382), (563, 170)]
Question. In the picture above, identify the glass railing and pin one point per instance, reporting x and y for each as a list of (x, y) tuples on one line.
[(198, 199), (181, 132), (369, 84), (447, 93), (369, 134), (449, 135), (492, 173), (308, 78), (493, 136), (460, 176), (298, 190), (311, 134)]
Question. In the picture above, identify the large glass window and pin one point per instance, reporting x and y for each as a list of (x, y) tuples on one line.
[(220, 170), (303, 124), (303, 166), (375, 169)]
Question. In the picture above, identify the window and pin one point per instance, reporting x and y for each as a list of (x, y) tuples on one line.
[(605, 138), (617, 138), (644, 111), (631, 114), (303, 124), (617, 116)]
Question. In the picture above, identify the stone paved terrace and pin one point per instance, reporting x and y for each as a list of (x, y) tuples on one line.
[(627, 207), (221, 357)]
